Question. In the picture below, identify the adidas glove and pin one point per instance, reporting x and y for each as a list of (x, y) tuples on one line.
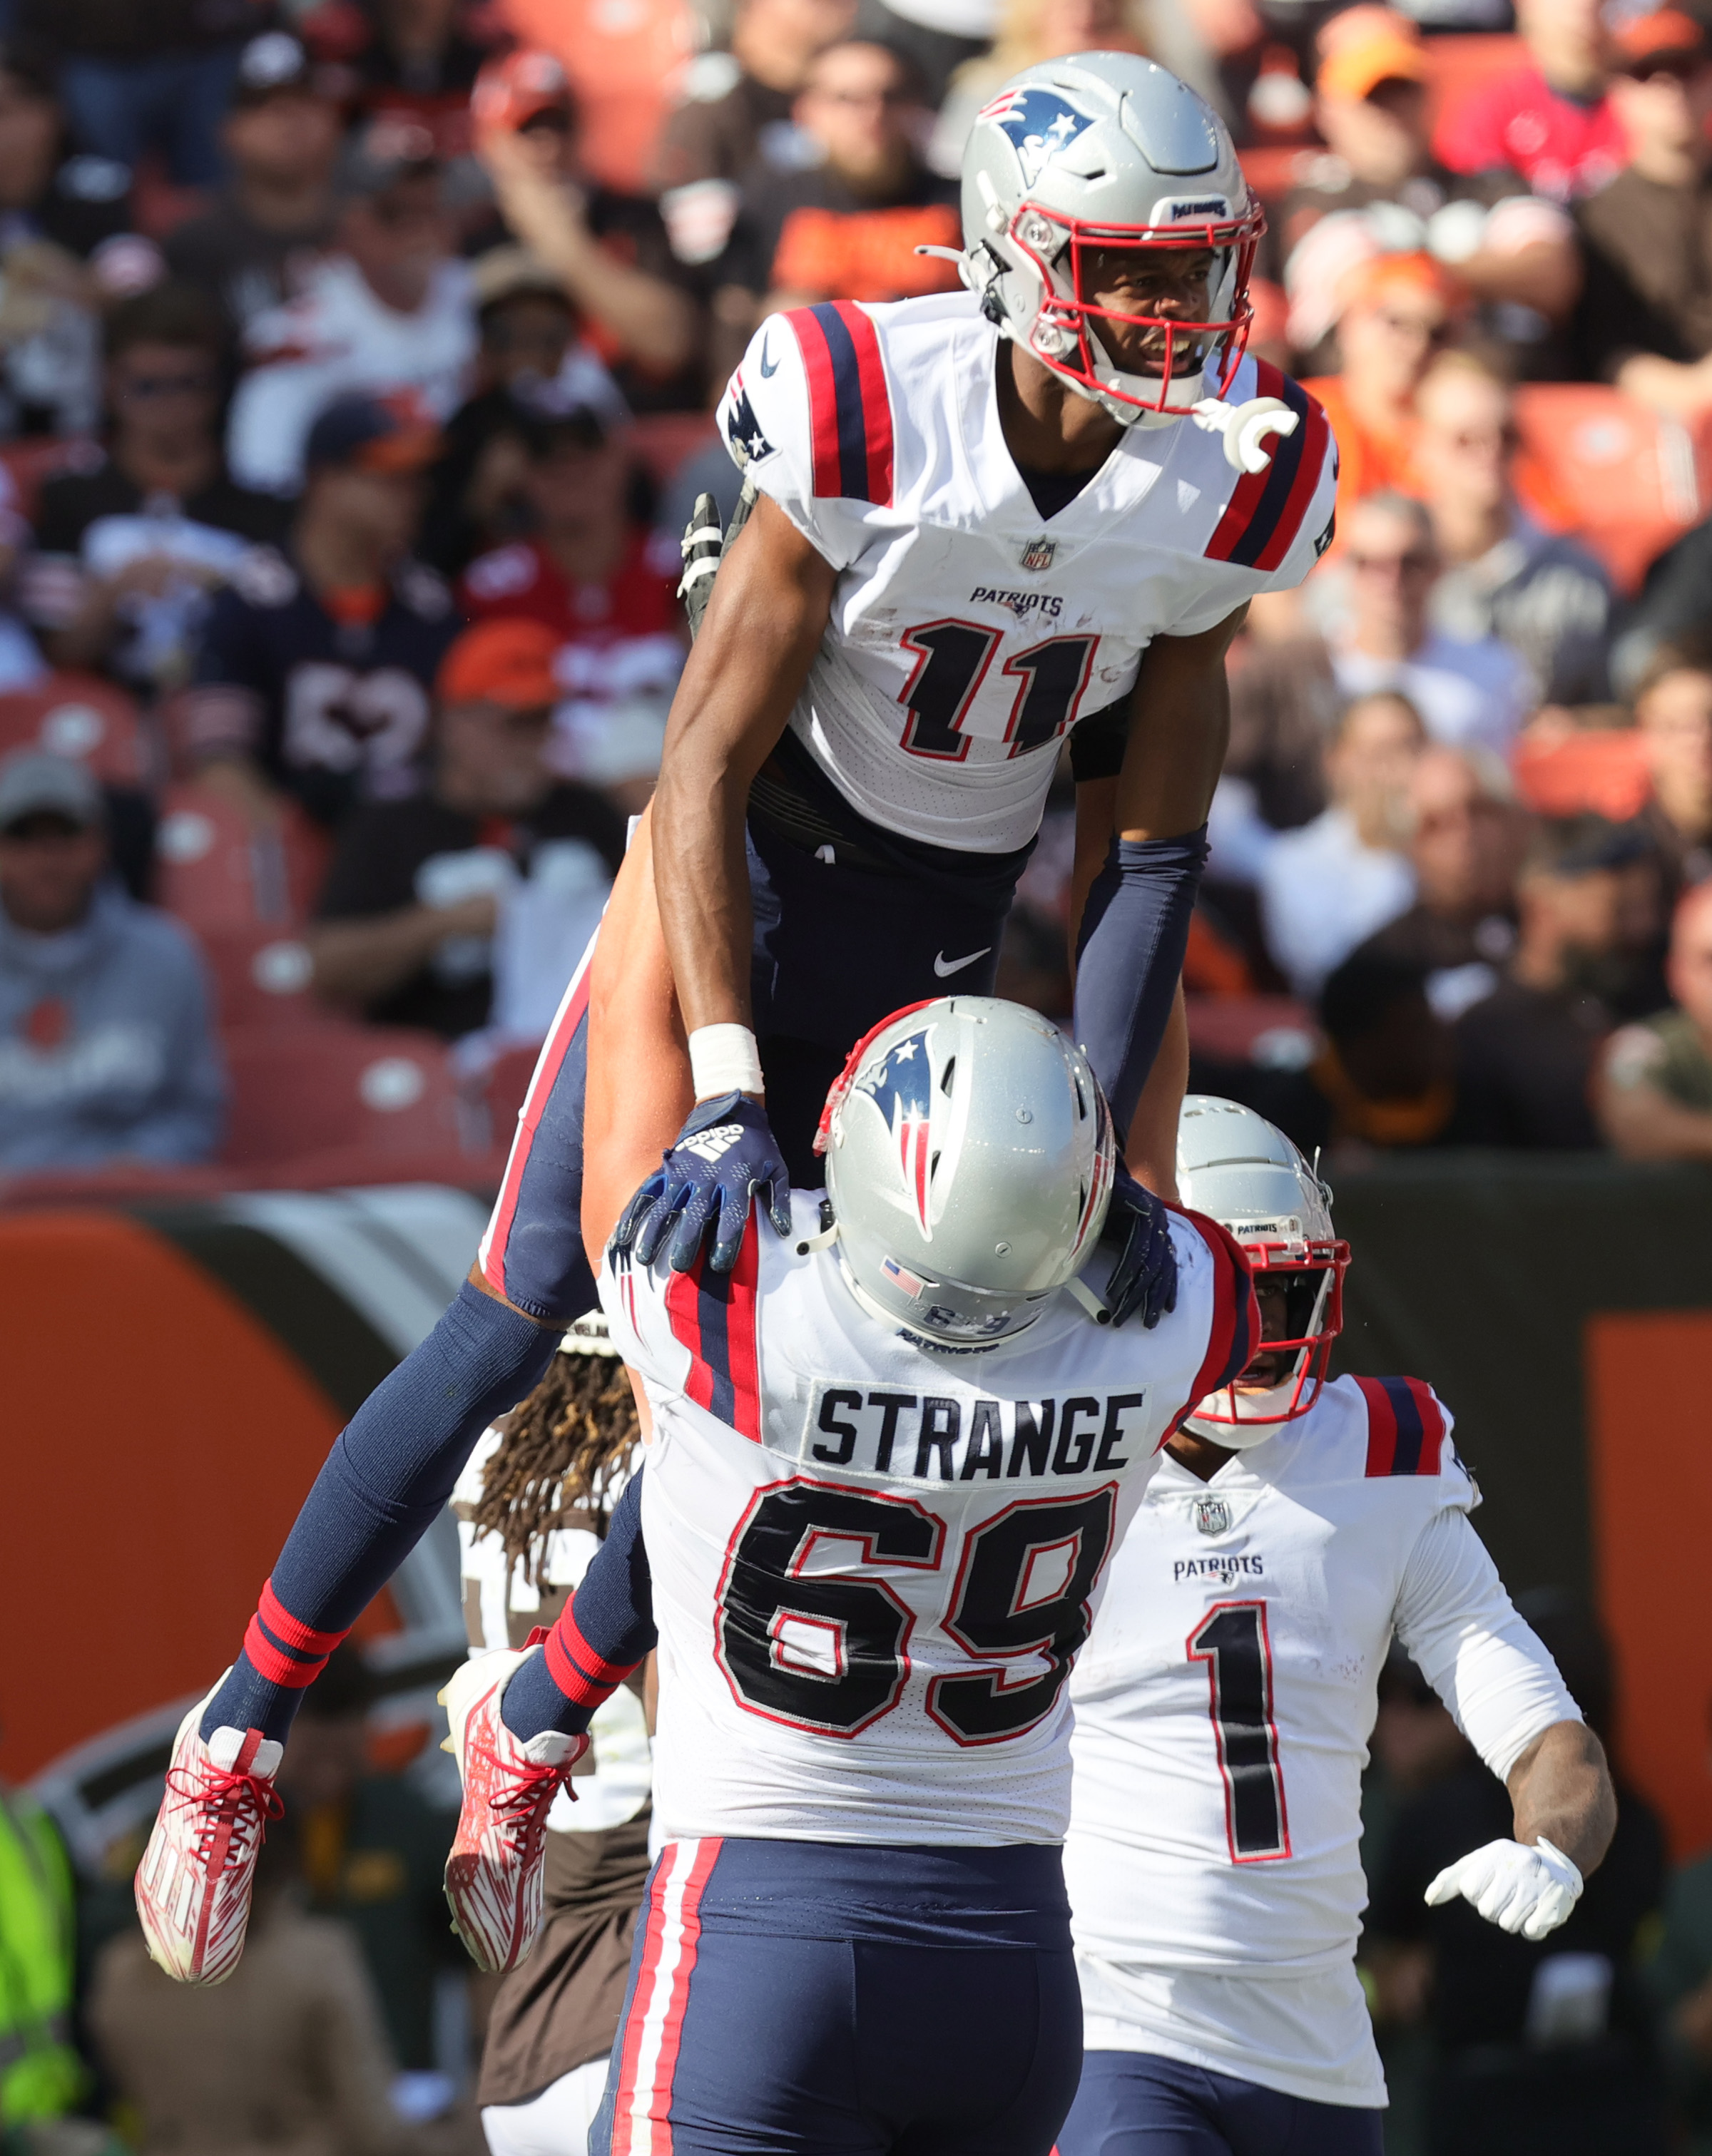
[(1526, 1891), (1145, 1275), (724, 1155)]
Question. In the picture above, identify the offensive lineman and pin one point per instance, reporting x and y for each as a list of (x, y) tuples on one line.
[(890, 1456), (1223, 1709), (983, 521)]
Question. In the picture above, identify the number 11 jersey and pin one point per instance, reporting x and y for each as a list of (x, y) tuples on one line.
[(969, 630), (873, 1563)]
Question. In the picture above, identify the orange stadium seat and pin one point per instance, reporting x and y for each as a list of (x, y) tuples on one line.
[(220, 874), (1603, 770), (1627, 481), (385, 1092), (83, 717)]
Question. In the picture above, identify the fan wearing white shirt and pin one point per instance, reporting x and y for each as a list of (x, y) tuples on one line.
[(1225, 1702), (1329, 886), (394, 309)]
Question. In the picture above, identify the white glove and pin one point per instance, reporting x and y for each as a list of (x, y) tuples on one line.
[(1246, 428), (1526, 1891)]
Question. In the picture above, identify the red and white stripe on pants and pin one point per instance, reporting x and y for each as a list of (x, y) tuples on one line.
[(653, 2030)]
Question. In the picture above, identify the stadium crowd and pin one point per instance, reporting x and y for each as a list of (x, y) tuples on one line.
[(355, 372)]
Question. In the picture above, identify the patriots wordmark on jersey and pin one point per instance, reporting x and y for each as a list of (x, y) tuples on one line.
[(969, 632), (873, 1564), (1222, 1714)]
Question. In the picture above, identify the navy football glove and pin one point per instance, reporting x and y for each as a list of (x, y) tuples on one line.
[(724, 1156), (1145, 1275)]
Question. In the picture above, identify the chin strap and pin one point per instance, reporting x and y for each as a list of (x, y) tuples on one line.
[(1246, 428)]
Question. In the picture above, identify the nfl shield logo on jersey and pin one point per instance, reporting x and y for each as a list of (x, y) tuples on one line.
[(1039, 553), (1212, 1515)]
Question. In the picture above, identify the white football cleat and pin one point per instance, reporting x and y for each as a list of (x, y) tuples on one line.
[(192, 1885), (493, 1874)]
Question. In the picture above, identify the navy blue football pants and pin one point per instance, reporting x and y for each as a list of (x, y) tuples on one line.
[(814, 1999), (1137, 2103)]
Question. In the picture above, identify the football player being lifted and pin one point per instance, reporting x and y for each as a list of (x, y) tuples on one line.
[(886, 1473), (980, 522), (1224, 1706)]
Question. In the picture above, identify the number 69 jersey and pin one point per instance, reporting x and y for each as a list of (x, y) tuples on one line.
[(968, 632), (872, 1563), (1222, 1713)]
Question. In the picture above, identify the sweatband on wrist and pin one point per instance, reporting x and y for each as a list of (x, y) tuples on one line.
[(724, 1059)]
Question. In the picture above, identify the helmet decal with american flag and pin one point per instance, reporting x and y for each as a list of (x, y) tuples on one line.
[(902, 1090)]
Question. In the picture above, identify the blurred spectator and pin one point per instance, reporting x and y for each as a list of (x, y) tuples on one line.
[(288, 2054), (419, 62), (1646, 317), (608, 249), (1672, 610), (41, 2076), (1383, 1078), (1674, 711), (1466, 840), (1284, 707), (129, 547), (75, 201), (1034, 962), (846, 225), (1507, 246), (1588, 904), (1549, 118), (604, 586), (733, 104), (1654, 1092), (146, 78), (1324, 887), (529, 354), (1541, 2049), (1475, 690), (252, 250), (391, 309), (1392, 312), (371, 1852), (1504, 575), (315, 663), (418, 888), (105, 1048)]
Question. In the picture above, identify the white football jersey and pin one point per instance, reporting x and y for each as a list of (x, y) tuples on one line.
[(1223, 1708), (968, 632), (874, 1563)]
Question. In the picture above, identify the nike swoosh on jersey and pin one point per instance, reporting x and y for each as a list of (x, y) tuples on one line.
[(768, 366), (945, 968)]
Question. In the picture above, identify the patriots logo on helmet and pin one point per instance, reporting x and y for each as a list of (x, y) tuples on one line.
[(1040, 122), (743, 431), (902, 1090)]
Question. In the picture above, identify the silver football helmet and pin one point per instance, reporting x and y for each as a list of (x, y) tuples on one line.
[(1098, 152), (1242, 1171), (969, 1158)]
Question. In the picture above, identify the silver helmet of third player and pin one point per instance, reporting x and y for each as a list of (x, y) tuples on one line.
[(969, 1165), (1242, 1171), (1074, 163)]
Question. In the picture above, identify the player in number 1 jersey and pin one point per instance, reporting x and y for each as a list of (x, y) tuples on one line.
[(1224, 1705)]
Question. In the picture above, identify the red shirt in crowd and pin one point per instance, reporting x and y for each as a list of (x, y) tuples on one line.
[(1563, 146), (622, 652)]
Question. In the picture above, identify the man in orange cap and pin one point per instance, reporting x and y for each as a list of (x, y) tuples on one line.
[(1646, 320), (406, 922), (1370, 101)]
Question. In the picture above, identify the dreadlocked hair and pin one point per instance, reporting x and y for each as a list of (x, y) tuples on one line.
[(560, 1451)]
